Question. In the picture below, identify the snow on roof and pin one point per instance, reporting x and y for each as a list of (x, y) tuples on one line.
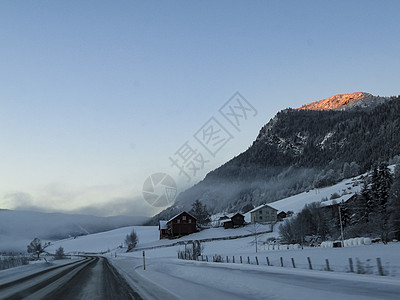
[(163, 224), (179, 215), (261, 206), (343, 198), (226, 220)]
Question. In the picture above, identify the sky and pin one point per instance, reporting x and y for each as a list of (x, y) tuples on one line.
[(96, 96)]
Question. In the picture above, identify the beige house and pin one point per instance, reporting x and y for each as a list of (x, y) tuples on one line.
[(264, 214)]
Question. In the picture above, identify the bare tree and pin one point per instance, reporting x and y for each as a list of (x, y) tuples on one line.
[(35, 247), (255, 232)]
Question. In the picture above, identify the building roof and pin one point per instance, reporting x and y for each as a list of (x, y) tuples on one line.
[(237, 214), (179, 215), (261, 206), (163, 224), (226, 220)]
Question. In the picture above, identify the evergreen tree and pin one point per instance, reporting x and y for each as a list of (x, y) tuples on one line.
[(59, 253), (374, 200), (366, 202), (200, 212), (382, 181), (394, 205), (385, 183), (345, 213), (346, 170), (131, 240)]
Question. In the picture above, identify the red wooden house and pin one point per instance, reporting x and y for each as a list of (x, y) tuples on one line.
[(182, 224)]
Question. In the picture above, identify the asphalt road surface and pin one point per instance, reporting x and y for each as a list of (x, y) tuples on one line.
[(92, 278)]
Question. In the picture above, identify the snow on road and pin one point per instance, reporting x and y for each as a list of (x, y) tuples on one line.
[(202, 280), (16, 273)]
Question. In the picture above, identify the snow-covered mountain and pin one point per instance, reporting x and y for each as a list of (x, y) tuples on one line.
[(19, 228), (356, 100), (301, 149)]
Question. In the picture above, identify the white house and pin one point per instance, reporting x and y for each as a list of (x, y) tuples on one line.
[(264, 214)]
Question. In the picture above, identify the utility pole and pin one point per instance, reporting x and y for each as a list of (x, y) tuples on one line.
[(341, 225)]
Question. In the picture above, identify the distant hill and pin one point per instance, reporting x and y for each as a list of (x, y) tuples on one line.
[(19, 228), (300, 149)]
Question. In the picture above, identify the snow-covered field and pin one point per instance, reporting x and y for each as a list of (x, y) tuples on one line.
[(363, 256), (167, 277)]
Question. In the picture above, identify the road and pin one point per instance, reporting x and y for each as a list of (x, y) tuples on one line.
[(171, 279), (91, 278)]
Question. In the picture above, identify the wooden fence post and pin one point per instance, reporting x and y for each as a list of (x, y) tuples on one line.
[(351, 265), (227, 259), (309, 263), (268, 264), (144, 261), (233, 259), (206, 258), (281, 261), (257, 260), (327, 265), (248, 259), (294, 266), (380, 269), (241, 261)]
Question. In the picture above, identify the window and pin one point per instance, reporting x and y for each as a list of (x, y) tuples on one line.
[(260, 217), (190, 220), (183, 218), (178, 221)]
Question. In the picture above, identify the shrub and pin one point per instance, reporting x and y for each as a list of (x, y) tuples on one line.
[(334, 196), (131, 240), (59, 253)]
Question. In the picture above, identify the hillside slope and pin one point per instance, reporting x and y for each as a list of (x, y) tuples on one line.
[(298, 150), (19, 228)]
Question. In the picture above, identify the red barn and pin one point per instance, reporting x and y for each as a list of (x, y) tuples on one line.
[(182, 224)]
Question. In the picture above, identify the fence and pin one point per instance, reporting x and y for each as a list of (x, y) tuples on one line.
[(7, 262), (352, 266)]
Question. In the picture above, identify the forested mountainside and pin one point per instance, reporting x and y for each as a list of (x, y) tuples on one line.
[(299, 149)]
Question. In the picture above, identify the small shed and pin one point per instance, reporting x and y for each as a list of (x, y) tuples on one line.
[(238, 220), (235, 221), (182, 224), (227, 223), (282, 215), (162, 227)]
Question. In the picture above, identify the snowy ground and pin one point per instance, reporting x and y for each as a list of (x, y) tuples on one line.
[(167, 277), (12, 274), (148, 237), (200, 280)]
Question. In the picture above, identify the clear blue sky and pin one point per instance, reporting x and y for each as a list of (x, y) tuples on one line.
[(97, 95)]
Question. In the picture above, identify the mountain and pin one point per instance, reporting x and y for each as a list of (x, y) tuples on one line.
[(358, 100), (300, 149), (19, 228)]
